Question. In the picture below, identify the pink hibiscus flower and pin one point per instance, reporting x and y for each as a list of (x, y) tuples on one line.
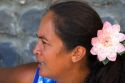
[(107, 43)]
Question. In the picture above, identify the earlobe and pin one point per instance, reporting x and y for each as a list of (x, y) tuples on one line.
[(79, 53)]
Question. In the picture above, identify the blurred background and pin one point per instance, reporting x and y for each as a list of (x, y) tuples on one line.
[(19, 21)]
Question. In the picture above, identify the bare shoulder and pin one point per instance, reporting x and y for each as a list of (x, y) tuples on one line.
[(26, 72), (20, 74)]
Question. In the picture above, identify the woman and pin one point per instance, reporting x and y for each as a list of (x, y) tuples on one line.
[(64, 44), (64, 51)]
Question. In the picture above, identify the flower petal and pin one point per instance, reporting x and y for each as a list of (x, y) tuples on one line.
[(116, 27), (94, 41), (112, 57), (121, 36), (120, 48), (93, 51), (99, 33), (106, 26), (101, 56)]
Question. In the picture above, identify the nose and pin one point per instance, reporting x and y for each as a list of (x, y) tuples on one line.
[(36, 50)]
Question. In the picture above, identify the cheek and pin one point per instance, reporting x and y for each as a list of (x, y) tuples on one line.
[(50, 55), (59, 63), (50, 51)]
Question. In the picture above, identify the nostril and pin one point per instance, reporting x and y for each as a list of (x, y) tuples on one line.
[(36, 52)]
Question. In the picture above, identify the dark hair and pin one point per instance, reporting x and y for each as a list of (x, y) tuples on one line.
[(76, 23)]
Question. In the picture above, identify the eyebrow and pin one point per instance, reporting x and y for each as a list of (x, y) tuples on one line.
[(41, 37)]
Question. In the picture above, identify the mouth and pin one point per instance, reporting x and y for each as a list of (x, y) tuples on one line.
[(40, 64)]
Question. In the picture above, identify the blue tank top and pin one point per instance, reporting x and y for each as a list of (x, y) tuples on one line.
[(40, 79)]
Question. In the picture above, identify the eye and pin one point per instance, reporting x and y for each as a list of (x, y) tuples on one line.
[(43, 43)]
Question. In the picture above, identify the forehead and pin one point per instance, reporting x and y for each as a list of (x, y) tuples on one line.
[(46, 23), (47, 27)]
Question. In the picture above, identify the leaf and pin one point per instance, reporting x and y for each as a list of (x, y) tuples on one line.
[(122, 53), (105, 61)]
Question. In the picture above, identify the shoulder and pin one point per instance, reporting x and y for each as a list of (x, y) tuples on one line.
[(24, 73)]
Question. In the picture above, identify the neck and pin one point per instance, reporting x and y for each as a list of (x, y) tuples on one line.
[(74, 76)]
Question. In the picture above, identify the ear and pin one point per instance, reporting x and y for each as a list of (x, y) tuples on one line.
[(78, 53)]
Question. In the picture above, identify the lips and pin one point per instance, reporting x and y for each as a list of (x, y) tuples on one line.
[(41, 63)]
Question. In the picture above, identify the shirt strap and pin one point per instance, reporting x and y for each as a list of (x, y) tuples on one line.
[(36, 76)]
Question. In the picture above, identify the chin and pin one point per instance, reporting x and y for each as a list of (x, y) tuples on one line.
[(44, 73)]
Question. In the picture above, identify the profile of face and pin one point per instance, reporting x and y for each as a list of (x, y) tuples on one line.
[(64, 41), (50, 51)]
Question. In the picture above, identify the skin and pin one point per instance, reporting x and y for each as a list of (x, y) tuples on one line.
[(20, 74), (58, 63)]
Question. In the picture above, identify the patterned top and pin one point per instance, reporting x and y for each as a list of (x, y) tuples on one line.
[(40, 79)]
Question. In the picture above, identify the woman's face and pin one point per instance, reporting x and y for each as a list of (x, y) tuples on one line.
[(50, 52)]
